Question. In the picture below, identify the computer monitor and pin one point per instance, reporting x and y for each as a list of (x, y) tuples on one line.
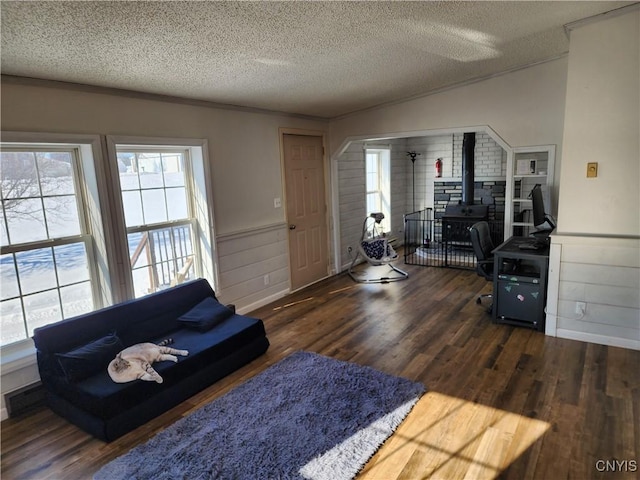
[(544, 223)]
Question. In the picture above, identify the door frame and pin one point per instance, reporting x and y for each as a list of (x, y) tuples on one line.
[(326, 164)]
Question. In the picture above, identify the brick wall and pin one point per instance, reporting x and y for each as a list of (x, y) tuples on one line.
[(489, 193), (490, 158)]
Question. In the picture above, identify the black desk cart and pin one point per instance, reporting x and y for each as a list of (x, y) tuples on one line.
[(520, 283)]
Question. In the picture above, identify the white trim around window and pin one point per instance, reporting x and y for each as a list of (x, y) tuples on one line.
[(378, 183), (97, 219), (201, 202)]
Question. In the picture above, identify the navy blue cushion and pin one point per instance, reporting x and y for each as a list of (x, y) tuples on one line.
[(205, 315), (89, 359)]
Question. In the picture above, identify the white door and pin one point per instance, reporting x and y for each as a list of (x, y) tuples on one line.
[(306, 209)]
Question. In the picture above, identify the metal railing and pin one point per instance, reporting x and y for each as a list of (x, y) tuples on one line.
[(430, 242), (167, 256)]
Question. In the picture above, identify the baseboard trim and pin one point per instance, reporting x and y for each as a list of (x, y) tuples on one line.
[(262, 302), (4, 414), (599, 339)]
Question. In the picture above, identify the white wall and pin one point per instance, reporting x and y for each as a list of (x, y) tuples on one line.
[(244, 146), (596, 255), (400, 165), (525, 107), (602, 124)]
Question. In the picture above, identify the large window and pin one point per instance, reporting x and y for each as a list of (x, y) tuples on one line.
[(46, 248), (378, 183), (156, 199), (78, 233)]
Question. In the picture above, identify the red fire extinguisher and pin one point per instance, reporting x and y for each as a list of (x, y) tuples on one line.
[(439, 168)]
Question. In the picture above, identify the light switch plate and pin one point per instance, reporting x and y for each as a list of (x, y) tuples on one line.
[(592, 169)]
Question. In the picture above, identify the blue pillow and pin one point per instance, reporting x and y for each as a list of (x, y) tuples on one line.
[(89, 359), (205, 315)]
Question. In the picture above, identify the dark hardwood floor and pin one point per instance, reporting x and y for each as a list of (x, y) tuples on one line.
[(502, 401)]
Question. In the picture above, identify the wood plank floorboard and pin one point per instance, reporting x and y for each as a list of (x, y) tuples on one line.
[(501, 402)]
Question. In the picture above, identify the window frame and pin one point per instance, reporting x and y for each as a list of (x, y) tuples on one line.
[(201, 202), (84, 237), (92, 192), (189, 220), (383, 164)]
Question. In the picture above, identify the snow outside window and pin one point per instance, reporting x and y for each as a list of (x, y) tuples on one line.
[(156, 193), (46, 261)]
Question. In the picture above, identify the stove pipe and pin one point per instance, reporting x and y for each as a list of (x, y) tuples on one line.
[(468, 146)]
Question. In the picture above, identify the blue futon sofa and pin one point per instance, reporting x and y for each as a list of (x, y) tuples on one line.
[(73, 356)]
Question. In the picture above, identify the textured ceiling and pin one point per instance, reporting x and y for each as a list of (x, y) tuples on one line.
[(316, 58)]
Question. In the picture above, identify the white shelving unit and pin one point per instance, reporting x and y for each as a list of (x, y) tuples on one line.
[(526, 167)]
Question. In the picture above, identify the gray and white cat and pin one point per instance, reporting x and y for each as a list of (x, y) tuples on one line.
[(134, 362)]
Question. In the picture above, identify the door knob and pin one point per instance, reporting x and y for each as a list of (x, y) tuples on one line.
[(292, 227)]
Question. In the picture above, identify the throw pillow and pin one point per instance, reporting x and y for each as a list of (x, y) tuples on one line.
[(205, 315), (89, 359)]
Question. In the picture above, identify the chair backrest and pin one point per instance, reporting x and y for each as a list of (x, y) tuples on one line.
[(481, 240)]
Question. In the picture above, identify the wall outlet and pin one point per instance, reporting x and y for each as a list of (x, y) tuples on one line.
[(266, 279), (277, 202), (581, 308)]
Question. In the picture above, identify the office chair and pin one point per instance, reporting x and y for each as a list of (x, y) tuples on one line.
[(482, 247)]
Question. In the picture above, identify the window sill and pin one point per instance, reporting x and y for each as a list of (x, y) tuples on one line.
[(18, 356)]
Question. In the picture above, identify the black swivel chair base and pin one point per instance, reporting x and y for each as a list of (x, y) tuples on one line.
[(485, 295)]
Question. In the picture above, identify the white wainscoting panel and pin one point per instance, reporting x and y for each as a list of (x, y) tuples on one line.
[(398, 187), (245, 259), (351, 199), (604, 274)]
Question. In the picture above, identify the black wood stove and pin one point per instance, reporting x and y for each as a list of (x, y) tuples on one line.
[(459, 217)]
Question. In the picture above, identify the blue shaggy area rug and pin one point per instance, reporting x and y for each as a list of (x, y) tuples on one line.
[(306, 417)]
